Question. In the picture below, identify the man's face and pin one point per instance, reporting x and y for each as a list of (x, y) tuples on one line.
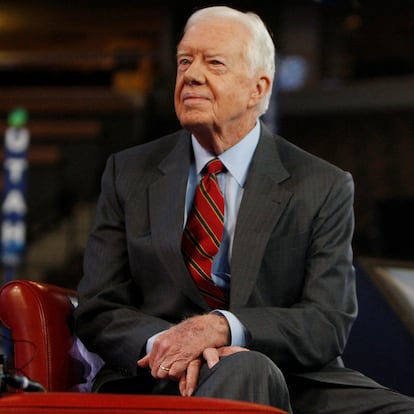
[(214, 85)]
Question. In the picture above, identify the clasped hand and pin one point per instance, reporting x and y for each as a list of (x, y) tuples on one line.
[(178, 353)]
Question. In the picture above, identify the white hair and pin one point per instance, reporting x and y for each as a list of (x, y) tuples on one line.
[(260, 49)]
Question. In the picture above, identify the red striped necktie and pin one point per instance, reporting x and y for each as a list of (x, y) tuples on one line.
[(203, 233)]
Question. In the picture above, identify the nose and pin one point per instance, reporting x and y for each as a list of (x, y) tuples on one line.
[(194, 74)]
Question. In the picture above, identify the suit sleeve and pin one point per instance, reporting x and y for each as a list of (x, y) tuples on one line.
[(312, 331), (108, 319)]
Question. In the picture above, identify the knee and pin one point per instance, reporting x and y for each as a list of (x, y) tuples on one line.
[(255, 364), (258, 376), (254, 359)]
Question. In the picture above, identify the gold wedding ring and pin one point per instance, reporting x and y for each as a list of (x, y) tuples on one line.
[(164, 368)]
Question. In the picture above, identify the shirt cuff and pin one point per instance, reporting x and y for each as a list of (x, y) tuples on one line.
[(237, 330), (150, 341)]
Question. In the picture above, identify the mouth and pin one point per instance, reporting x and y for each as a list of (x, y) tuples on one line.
[(192, 97)]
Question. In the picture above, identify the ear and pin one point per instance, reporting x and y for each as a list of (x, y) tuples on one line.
[(261, 88)]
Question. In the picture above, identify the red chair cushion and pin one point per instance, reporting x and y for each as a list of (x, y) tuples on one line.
[(89, 403)]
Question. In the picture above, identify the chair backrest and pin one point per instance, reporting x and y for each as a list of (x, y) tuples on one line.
[(38, 316)]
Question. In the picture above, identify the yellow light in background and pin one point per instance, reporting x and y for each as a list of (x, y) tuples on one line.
[(9, 20), (352, 23)]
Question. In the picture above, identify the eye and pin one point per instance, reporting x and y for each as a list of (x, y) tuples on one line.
[(183, 61), (216, 62)]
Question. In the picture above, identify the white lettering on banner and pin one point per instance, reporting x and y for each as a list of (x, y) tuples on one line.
[(14, 203), (14, 208), (16, 168), (14, 233), (17, 139)]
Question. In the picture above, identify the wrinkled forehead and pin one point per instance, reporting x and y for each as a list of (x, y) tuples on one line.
[(221, 35)]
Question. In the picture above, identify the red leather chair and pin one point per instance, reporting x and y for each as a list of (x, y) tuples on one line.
[(39, 317)]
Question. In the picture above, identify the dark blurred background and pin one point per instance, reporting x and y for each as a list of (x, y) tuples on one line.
[(98, 76)]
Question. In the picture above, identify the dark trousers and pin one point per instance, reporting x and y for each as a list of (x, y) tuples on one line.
[(251, 376), (246, 376)]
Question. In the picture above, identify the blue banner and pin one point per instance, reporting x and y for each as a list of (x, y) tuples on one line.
[(14, 208)]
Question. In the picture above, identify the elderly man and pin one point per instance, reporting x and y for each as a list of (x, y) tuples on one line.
[(220, 263)]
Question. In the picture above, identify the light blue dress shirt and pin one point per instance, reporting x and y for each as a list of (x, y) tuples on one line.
[(237, 161)]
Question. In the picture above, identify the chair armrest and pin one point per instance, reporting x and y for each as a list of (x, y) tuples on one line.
[(39, 318)]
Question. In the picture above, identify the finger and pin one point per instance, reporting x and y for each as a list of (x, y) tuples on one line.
[(163, 345), (182, 383), (162, 371), (169, 370), (229, 350), (165, 353), (211, 356), (192, 375), (144, 361), (156, 356), (178, 368)]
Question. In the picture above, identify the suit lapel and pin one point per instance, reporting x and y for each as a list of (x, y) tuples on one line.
[(262, 204), (166, 205)]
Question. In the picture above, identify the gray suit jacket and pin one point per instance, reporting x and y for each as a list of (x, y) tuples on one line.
[(292, 279)]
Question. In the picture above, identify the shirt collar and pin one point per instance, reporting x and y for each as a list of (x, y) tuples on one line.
[(236, 159)]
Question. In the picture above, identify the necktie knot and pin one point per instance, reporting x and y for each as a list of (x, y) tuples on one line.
[(215, 166)]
